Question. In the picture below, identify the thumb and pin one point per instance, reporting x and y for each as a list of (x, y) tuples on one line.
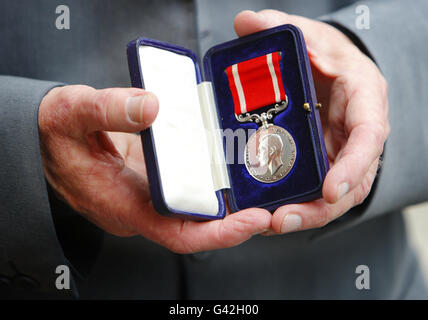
[(115, 109), (247, 22)]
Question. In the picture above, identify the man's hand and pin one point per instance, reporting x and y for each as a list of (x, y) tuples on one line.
[(354, 118), (107, 182)]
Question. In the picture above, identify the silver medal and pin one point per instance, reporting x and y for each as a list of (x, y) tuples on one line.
[(270, 152)]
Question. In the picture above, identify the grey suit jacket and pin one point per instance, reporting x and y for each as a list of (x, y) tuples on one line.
[(38, 232)]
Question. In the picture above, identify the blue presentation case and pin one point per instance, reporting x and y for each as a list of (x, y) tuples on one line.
[(301, 119)]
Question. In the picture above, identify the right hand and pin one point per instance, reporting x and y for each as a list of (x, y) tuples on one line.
[(354, 118), (103, 176)]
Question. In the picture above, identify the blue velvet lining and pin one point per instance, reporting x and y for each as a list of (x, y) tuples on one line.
[(305, 178)]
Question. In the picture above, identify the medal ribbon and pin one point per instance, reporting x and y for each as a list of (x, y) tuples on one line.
[(256, 83)]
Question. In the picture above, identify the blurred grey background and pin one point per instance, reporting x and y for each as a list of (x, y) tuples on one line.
[(417, 224)]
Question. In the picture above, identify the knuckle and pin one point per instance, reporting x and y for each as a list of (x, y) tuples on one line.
[(384, 85), (67, 106), (99, 105), (387, 129), (103, 96), (225, 235), (378, 134), (53, 119), (71, 94), (221, 233), (176, 241), (362, 192), (358, 198)]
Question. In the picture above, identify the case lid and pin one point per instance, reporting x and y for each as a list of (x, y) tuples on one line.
[(186, 170)]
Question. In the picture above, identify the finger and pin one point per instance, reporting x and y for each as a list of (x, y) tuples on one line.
[(318, 36), (131, 212), (365, 121), (130, 148), (296, 217), (318, 213), (189, 236), (247, 22), (314, 214), (114, 109)]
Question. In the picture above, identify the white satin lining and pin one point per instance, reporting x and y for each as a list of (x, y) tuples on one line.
[(178, 131)]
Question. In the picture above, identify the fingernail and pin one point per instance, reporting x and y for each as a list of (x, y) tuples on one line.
[(290, 223), (342, 189), (135, 107)]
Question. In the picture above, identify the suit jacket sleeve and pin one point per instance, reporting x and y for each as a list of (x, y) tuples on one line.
[(397, 40), (32, 238)]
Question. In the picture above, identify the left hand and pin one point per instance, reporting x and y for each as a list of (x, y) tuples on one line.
[(94, 164), (354, 118)]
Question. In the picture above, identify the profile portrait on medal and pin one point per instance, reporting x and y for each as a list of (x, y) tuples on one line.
[(269, 153)]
